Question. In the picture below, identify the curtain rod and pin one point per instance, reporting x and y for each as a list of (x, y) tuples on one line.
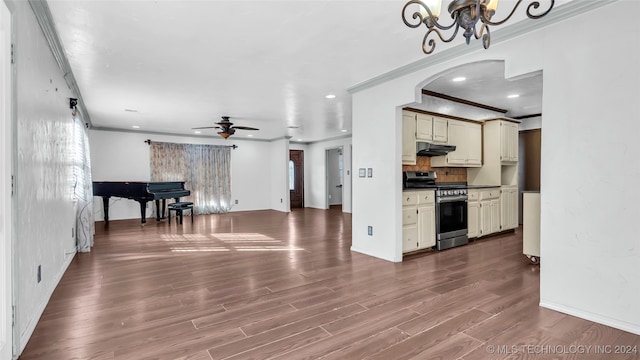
[(234, 146)]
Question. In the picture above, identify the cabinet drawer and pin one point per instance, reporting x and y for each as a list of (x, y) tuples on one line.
[(489, 194), (409, 216), (426, 197), (409, 198), (409, 238), (473, 195)]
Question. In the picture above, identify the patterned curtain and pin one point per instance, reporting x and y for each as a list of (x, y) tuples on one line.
[(205, 169)]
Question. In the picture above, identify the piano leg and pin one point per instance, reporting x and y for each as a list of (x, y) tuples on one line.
[(143, 211), (160, 215), (105, 207)]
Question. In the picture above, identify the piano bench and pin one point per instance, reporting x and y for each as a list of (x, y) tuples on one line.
[(179, 208)]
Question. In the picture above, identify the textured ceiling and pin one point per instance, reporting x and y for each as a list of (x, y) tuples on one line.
[(169, 66)]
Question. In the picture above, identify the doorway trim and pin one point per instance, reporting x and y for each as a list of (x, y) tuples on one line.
[(327, 172)]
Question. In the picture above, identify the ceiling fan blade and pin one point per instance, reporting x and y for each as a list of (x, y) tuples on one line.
[(245, 128), (205, 127)]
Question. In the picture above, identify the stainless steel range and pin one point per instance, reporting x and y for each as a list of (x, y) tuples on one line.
[(451, 207), (451, 216)]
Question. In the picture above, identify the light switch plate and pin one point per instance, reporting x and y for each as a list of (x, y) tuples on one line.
[(362, 172), (369, 172)]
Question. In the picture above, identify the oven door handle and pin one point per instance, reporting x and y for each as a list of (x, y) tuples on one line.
[(453, 199)]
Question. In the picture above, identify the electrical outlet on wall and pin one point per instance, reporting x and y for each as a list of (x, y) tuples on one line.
[(236, 202)]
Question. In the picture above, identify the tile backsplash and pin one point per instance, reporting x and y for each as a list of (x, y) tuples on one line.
[(445, 174)]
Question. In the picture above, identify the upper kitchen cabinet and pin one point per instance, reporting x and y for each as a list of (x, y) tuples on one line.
[(500, 154), (408, 138), (467, 137), (424, 127), (508, 142)]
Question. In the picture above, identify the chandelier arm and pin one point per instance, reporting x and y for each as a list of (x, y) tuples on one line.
[(532, 5), (432, 43), (430, 21)]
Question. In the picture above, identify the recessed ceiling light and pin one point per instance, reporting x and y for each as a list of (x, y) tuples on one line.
[(250, 135), (197, 132), (330, 96), (136, 127), (459, 78), (513, 96), (299, 140), (344, 130)]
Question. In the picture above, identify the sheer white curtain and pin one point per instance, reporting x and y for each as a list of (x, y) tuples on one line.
[(83, 188), (205, 169)]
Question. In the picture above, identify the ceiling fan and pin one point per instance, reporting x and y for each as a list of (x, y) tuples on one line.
[(226, 127)]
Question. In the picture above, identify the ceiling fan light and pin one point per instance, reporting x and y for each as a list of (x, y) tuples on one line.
[(491, 5), (224, 134)]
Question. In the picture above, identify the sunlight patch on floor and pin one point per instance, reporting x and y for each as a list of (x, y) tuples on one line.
[(225, 242)]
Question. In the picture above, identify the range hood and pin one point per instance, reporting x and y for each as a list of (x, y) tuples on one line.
[(430, 149)]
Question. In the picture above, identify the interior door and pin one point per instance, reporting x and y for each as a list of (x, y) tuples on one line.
[(5, 183), (334, 176), (296, 178)]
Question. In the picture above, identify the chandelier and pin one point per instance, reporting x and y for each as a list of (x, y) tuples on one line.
[(465, 15)]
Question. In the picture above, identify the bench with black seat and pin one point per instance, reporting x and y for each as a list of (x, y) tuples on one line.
[(179, 208)]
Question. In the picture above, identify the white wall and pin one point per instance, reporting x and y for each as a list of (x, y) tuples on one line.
[(279, 176), (590, 248), (6, 163), (124, 156), (530, 123), (44, 180), (316, 173)]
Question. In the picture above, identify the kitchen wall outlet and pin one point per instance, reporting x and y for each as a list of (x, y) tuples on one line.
[(281, 200), (370, 230), (236, 202), (369, 172), (39, 273)]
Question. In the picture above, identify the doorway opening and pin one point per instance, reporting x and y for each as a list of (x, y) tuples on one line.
[(296, 179), (335, 180)]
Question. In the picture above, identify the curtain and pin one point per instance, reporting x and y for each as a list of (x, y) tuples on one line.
[(205, 169), (83, 188)]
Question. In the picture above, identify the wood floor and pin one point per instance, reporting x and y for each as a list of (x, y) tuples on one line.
[(271, 285)]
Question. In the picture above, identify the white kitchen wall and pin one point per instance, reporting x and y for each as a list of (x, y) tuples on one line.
[(590, 248), (530, 123), (44, 180), (124, 156)]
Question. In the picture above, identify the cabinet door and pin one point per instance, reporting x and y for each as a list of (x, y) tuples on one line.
[(408, 139), (457, 136), (426, 227), (474, 144), (485, 218), (440, 130), (409, 237), (473, 219), (508, 142), (495, 215), (424, 127)]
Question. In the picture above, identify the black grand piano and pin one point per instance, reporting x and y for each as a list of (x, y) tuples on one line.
[(142, 192)]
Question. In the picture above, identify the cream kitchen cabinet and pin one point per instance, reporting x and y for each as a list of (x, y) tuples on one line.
[(440, 130), (408, 138), (418, 220), (489, 211), (508, 142), (509, 207), (473, 214), (424, 127), (467, 137)]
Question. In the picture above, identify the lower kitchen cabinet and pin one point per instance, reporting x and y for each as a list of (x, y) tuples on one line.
[(489, 211), (473, 217), (509, 207), (418, 220)]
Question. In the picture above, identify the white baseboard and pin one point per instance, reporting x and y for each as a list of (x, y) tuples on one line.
[(28, 331), (604, 320), (373, 255)]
